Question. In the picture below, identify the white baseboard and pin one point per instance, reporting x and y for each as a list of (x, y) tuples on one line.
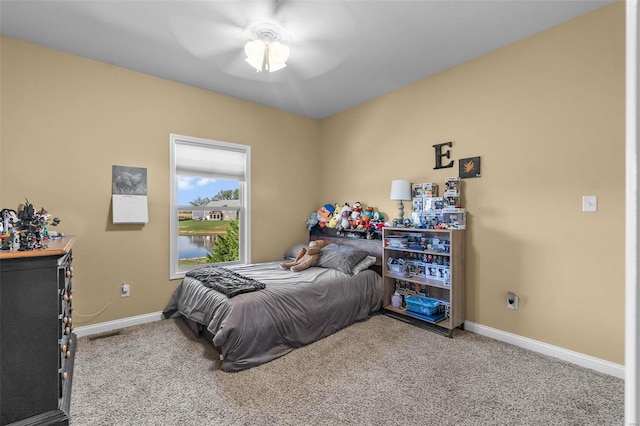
[(577, 358), (104, 327)]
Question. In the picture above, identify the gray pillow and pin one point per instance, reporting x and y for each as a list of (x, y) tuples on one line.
[(292, 252), (364, 264), (342, 258)]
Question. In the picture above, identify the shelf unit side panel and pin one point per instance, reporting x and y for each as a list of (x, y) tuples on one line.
[(458, 284)]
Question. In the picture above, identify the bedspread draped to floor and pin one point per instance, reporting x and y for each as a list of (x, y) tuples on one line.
[(295, 309)]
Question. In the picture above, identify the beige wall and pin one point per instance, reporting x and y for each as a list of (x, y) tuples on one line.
[(66, 120), (545, 114)]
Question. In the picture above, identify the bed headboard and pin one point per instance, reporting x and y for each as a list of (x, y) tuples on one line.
[(373, 247)]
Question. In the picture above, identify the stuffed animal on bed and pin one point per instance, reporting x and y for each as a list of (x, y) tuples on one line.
[(306, 257), (336, 218), (324, 214), (345, 213)]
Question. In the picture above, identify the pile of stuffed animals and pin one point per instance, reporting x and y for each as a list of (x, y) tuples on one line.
[(346, 218)]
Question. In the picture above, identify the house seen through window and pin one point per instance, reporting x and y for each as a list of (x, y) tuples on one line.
[(209, 203)]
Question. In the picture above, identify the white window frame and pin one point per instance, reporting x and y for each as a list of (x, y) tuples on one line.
[(175, 271)]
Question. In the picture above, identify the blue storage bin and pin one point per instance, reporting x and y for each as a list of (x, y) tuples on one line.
[(422, 305)]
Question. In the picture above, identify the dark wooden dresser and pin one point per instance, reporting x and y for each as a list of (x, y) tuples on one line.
[(37, 343)]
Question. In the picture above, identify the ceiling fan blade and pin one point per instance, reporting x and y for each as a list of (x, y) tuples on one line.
[(217, 26), (312, 60), (300, 18), (238, 67), (241, 13), (203, 38), (316, 45)]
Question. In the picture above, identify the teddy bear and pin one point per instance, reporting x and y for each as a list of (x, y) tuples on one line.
[(306, 257)]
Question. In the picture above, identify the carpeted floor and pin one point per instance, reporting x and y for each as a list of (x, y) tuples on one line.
[(380, 371)]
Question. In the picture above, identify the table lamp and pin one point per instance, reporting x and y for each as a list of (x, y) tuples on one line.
[(400, 191)]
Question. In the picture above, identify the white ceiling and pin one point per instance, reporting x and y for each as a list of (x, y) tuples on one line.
[(343, 53)]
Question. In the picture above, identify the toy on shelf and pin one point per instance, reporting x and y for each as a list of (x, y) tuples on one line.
[(4, 225), (452, 192), (437, 212)]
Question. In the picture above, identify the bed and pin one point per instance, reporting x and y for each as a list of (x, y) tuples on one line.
[(293, 309)]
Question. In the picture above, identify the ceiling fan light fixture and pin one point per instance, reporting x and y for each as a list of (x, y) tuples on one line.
[(265, 52), (264, 55)]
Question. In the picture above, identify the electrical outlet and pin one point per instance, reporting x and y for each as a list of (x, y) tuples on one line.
[(590, 203), (512, 301), (124, 290)]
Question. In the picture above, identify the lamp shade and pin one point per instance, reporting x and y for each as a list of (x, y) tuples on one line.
[(400, 190)]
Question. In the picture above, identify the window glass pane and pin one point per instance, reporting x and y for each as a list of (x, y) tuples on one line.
[(208, 231)]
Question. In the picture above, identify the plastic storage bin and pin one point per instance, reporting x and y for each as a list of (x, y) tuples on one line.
[(422, 305), (397, 266)]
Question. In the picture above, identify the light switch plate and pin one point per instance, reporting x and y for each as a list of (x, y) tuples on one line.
[(590, 203)]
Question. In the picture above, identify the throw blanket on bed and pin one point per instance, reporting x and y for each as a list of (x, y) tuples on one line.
[(225, 281)]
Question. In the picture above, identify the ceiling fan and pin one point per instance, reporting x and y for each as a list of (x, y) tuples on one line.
[(218, 31)]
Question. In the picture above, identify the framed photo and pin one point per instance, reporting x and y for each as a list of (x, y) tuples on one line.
[(469, 167), (129, 180)]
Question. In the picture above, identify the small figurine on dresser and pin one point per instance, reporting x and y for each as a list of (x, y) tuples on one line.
[(26, 229), (8, 234)]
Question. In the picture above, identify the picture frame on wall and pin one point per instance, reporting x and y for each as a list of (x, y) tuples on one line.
[(129, 180), (469, 167)]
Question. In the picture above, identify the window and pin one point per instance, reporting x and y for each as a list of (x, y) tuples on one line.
[(209, 203)]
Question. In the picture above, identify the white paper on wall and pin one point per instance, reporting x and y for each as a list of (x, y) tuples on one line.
[(129, 194), (130, 208)]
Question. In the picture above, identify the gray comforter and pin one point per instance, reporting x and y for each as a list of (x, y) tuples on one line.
[(295, 308)]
